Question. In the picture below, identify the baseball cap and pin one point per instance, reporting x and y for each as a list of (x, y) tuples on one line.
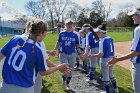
[(99, 30), (69, 21), (134, 11)]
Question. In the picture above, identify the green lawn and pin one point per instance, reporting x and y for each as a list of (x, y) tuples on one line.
[(121, 36), (52, 83), (4, 40)]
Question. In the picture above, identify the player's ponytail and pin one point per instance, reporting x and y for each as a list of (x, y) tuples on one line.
[(24, 42), (102, 27), (37, 28), (28, 27), (33, 46), (34, 28)]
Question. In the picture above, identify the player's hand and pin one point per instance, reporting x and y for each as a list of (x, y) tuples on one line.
[(90, 55), (52, 53), (113, 61), (85, 55), (64, 68), (82, 57)]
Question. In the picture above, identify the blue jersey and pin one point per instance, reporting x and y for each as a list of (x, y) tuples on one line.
[(135, 46), (21, 66), (91, 41), (77, 35), (68, 41), (106, 47), (42, 44)]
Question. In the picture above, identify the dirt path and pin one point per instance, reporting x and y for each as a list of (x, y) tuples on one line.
[(122, 48), (80, 85)]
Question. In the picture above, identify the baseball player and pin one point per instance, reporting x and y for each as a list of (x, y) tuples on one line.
[(67, 41), (82, 48), (106, 50), (93, 44), (135, 51), (59, 28), (38, 81), (24, 59)]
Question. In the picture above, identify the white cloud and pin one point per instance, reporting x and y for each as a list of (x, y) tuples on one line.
[(7, 16), (123, 5), (83, 3), (7, 12)]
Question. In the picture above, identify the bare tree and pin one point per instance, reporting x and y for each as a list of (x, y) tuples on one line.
[(73, 11), (104, 9), (36, 9), (60, 6), (49, 6), (58, 9), (108, 10)]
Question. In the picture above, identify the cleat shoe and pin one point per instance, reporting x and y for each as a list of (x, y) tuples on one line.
[(65, 87), (87, 75), (68, 87), (89, 81), (76, 68)]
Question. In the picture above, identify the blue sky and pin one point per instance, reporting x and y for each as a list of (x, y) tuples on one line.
[(17, 4)]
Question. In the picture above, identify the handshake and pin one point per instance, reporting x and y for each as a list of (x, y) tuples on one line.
[(86, 56)]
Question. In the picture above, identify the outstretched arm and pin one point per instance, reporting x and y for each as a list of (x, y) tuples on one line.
[(53, 52), (64, 67), (96, 55), (51, 64), (124, 57), (57, 45)]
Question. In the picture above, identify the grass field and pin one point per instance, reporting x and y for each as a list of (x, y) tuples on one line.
[(52, 83), (120, 36)]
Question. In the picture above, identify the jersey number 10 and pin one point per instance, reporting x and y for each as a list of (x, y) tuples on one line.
[(15, 57)]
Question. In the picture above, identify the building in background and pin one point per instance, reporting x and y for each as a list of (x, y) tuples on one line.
[(11, 20), (11, 27)]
